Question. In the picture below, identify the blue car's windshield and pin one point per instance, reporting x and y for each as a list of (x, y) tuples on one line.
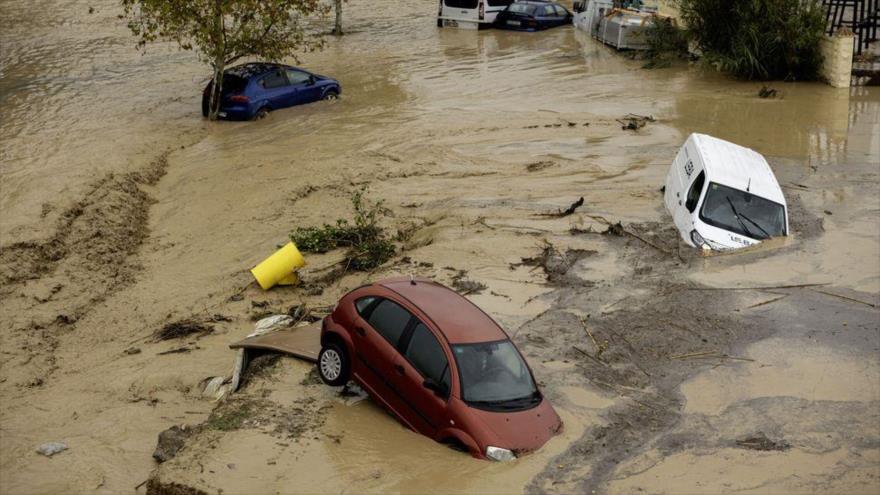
[(493, 374), (741, 212)]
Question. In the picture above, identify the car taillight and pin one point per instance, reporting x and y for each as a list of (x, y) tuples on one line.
[(239, 99), (482, 11)]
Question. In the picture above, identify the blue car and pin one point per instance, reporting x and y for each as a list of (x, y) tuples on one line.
[(532, 15), (251, 91)]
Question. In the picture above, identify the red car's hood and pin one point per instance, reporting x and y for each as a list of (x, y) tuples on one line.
[(522, 431)]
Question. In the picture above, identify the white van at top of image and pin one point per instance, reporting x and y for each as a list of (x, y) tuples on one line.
[(470, 14), (724, 196)]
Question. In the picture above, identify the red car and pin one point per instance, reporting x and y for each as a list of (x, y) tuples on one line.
[(440, 365)]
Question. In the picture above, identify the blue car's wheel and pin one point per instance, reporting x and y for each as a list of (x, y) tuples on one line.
[(331, 95), (261, 113)]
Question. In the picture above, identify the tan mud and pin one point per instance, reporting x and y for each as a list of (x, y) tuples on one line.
[(442, 124)]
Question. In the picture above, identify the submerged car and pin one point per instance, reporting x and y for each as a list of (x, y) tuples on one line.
[(439, 364), (532, 15), (253, 90), (469, 14), (723, 196)]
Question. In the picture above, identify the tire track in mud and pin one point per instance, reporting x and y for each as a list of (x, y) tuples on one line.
[(47, 286)]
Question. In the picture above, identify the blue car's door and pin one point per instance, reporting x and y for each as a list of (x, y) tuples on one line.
[(276, 89), (546, 16), (563, 14), (555, 14), (304, 86)]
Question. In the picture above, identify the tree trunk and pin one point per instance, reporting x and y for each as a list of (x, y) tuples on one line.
[(219, 62), (216, 90), (337, 30)]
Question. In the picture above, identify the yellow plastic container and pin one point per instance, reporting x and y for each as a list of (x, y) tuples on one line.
[(279, 268)]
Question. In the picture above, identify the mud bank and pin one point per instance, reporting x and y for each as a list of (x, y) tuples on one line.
[(435, 125)]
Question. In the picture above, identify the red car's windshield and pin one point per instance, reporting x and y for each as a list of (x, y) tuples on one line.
[(493, 374)]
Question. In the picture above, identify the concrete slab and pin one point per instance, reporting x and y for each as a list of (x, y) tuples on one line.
[(301, 342)]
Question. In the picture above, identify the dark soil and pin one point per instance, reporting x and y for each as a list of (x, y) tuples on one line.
[(170, 442), (182, 328), (465, 286), (538, 166), (156, 487), (761, 442), (260, 366), (557, 264)]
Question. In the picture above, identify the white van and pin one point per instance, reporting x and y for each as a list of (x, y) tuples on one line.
[(470, 14), (724, 196), (589, 13)]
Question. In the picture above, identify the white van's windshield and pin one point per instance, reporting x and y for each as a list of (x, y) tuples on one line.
[(741, 212)]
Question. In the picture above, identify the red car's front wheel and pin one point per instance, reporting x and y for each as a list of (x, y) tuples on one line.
[(334, 366)]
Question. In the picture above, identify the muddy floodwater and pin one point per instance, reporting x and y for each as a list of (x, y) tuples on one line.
[(122, 210)]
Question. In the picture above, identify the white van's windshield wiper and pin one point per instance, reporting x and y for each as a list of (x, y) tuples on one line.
[(737, 216), (766, 235)]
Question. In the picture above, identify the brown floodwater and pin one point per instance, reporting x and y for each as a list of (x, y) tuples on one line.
[(441, 125)]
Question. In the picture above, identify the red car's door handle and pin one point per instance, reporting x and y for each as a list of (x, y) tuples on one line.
[(360, 330), (400, 370)]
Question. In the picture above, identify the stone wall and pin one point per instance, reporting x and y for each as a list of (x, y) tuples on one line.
[(837, 52)]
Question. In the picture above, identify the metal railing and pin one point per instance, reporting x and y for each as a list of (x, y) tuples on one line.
[(860, 16)]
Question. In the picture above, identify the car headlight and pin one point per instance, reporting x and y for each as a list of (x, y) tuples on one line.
[(698, 240), (499, 454)]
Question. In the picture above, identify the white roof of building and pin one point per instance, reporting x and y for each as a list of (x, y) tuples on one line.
[(737, 166)]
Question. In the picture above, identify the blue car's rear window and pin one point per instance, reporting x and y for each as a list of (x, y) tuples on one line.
[(521, 8), (233, 83)]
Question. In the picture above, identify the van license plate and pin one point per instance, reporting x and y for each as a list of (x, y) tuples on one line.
[(513, 23), (450, 23)]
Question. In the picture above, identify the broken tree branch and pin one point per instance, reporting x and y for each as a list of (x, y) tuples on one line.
[(599, 348), (847, 298), (793, 286), (693, 355), (769, 301), (566, 212), (587, 354)]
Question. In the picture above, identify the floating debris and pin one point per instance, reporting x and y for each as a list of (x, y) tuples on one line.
[(51, 448), (182, 328), (633, 122), (767, 92), (761, 442)]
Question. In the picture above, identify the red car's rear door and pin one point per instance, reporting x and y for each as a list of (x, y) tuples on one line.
[(377, 333)]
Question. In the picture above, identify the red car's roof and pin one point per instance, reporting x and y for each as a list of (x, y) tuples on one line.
[(461, 321)]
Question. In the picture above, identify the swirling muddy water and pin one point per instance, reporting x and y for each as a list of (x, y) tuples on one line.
[(440, 124)]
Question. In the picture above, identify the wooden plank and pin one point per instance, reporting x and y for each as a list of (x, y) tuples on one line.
[(301, 342)]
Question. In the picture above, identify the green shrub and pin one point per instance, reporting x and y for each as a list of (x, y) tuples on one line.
[(368, 244), (758, 39), (666, 43)]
